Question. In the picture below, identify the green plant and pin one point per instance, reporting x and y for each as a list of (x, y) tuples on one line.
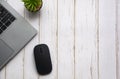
[(33, 5)]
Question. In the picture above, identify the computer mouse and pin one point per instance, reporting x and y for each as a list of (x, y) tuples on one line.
[(42, 59)]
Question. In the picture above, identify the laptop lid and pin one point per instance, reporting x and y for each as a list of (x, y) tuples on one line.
[(12, 40)]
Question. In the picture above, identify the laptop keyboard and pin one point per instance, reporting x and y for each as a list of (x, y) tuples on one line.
[(6, 18)]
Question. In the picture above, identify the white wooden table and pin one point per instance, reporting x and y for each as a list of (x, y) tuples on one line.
[(83, 37)]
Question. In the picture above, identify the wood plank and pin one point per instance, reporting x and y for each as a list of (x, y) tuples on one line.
[(14, 70), (47, 33), (85, 40), (65, 39), (107, 50), (2, 73), (29, 63)]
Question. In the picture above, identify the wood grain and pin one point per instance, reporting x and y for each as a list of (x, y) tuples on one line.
[(65, 39), (107, 24), (86, 39)]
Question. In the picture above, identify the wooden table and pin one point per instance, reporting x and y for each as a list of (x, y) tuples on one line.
[(83, 37)]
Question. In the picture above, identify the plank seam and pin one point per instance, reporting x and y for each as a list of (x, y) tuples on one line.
[(117, 42), (57, 40), (74, 38), (23, 53), (97, 38)]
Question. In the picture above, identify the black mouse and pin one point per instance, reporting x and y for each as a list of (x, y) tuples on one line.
[(42, 59)]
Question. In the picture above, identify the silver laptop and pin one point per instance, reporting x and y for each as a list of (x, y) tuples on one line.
[(15, 33)]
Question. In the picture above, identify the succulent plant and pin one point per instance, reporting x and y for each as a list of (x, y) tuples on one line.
[(33, 5)]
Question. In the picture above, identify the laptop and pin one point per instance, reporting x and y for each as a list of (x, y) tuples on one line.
[(15, 33)]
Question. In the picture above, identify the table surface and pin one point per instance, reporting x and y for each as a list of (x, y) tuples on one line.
[(83, 37)]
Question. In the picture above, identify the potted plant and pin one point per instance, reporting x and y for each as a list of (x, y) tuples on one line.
[(33, 5)]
